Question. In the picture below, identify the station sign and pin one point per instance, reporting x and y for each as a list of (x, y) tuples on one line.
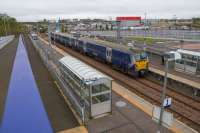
[(167, 102)]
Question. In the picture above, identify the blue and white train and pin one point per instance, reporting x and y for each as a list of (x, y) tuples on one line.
[(130, 62)]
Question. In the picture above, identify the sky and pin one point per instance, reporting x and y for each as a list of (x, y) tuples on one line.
[(34, 10)]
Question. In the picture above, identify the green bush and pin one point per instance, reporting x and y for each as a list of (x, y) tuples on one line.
[(10, 26)]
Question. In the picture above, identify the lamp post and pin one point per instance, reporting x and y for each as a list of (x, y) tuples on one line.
[(167, 60), (145, 34), (163, 97), (118, 31)]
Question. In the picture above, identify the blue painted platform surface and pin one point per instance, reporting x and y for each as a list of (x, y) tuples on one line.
[(24, 111)]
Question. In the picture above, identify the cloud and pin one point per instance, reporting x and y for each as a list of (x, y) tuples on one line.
[(32, 10)]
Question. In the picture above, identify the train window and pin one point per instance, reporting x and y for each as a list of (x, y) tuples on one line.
[(132, 58), (143, 55), (137, 57)]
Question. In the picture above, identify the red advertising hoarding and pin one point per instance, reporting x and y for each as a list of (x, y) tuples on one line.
[(128, 18)]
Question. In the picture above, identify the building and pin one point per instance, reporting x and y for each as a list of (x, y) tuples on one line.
[(127, 22)]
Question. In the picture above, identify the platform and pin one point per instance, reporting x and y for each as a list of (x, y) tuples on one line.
[(80, 129), (182, 78), (127, 118), (5, 40), (24, 111), (59, 113)]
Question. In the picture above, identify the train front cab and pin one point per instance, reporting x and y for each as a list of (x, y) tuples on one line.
[(141, 63)]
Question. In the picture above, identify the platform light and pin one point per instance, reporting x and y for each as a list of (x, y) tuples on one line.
[(163, 96)]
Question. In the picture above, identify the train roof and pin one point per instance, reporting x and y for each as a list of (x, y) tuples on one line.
[(83, 71), (106, 43), (112, 45), (182, 51)]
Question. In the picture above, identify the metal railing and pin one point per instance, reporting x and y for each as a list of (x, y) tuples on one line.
[(50, 58)]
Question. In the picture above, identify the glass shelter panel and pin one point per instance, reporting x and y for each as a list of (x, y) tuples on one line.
[(100, 98), (91, 89)]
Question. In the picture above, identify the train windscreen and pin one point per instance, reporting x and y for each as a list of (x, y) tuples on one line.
[(141, 56)]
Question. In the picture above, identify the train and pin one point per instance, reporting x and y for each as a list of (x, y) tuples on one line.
[(132, 62)]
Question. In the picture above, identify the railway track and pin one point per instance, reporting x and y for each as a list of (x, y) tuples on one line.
[(187, 108), (184, 108), (185, 99)]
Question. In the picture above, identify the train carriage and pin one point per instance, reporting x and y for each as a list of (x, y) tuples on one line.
[(66, 41), (121, 60), (72, 42), (62, 40), (120, 57), (97, 51), (81, 47)]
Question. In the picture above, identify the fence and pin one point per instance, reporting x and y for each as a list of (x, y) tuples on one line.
[(5, 40), (190, 35), (50, 58)]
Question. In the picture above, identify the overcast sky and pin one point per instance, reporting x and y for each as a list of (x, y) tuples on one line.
[(33, 10)]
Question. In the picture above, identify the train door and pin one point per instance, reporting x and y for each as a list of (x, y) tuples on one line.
[(70, 42), (65, 41), (108, 54), (75, 44), (84, 47)]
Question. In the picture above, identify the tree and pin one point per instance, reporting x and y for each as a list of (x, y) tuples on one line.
[(9, 25), (62, 28)]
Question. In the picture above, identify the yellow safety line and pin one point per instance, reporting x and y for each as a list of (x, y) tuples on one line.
[(80, 129)]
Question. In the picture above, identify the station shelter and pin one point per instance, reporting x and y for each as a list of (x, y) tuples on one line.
[(90, 90), (189, 62)]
